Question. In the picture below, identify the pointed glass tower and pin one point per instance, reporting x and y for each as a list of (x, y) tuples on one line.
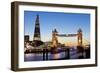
[(37, 36)]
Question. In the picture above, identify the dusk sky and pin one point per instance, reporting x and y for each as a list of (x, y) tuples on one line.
[(65, 23)]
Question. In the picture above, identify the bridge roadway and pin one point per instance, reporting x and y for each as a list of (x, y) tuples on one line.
[(67, 35)]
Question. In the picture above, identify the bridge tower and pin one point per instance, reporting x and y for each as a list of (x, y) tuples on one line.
[(54, 38), (79, 34)]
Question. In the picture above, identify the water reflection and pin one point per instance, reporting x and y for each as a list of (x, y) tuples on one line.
[(73, 54)]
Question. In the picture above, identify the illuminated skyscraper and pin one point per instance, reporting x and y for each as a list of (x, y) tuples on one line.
[(37, 36)]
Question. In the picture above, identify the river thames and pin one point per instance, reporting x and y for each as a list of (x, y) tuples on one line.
[(73, 54)]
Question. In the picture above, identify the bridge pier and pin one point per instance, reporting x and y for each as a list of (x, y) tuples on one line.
[(80, 51), (87, 53), (67, 53), (45, 54)]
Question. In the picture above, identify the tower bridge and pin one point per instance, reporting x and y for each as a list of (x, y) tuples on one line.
[(55, 36)]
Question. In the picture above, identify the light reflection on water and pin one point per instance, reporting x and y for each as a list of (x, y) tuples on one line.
[(39, 56)]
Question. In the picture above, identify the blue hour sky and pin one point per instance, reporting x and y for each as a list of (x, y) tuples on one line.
[(65, 23)]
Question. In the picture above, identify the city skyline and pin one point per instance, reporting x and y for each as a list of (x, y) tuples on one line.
[(65, 23)]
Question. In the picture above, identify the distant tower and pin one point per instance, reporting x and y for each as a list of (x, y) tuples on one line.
[(26, 38), (79, 37), (37, 30), (54, 38)]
